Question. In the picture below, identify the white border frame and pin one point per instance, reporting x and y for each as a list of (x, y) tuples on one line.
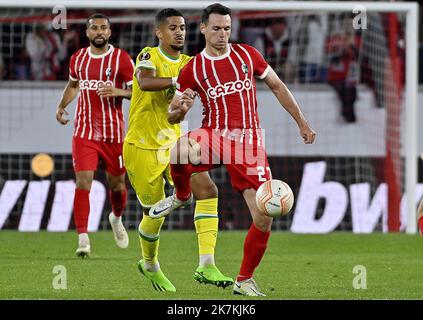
[(411, 83)]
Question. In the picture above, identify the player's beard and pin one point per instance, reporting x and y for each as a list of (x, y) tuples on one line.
[(177, 48), (99, 44)]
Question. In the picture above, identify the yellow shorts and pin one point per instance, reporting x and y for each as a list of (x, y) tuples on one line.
[(147, 170)]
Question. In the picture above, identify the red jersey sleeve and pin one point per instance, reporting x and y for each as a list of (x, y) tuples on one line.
[(261, 67), (186, 79), (127, 68), (72, 70)]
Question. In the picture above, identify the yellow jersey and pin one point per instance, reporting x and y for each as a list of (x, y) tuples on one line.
[(148, 127)]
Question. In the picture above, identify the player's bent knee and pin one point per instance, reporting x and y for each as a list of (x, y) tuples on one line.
[(205, 192), (84, 181), (179, 153), (263, 223), (185, 151), (116, 183), (203, 186), (194, 152), (214, 192), (83, 185), (211, 191), (117, 187)]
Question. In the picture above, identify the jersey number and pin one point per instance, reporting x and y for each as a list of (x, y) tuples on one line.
[(120, 162), (261, 172)]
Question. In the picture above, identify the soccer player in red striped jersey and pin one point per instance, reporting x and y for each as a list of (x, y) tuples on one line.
[(102, 75), (223, 76), (420, 217)]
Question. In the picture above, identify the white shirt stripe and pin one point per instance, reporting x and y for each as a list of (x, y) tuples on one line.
[(79, 105), (103, 112), (76, 62), (109, 63), (250, 131), (114, 100), (242, 99), (265, 72), (201, 86), (203, 64), (108, 103), (90, 123), (82, 93), (225, 107), (254, 98), (76, 118)]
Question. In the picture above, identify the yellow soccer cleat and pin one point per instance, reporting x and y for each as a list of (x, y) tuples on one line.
[(211, 275), (158, 279)]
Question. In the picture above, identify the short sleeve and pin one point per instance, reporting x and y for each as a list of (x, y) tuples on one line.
[(185, 79), (72, 70), (145, 59), (127, 68), (261, 67)]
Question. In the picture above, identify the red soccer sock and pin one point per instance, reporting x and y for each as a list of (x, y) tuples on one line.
[(118, 200), (254, 247), (181, 174), (81, 209), (420, 223)]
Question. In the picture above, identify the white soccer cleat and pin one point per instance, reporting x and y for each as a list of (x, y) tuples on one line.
[(84, 248), (167, 206), (247, 288), (119, 232)]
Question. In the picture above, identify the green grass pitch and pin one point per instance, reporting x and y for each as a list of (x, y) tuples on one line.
[(295, 266)]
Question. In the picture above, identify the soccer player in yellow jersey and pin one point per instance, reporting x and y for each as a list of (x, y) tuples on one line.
[(146, 153)]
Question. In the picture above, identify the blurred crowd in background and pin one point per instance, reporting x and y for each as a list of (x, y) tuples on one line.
[(301, 48)]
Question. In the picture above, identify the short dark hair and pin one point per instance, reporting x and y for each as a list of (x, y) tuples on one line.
[(167, 13), (97, 16), (214, 8)]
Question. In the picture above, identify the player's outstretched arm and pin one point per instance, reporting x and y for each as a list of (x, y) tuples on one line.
[(70, 92), (180, 105), (109, 91), (148, 81), (287, 100)]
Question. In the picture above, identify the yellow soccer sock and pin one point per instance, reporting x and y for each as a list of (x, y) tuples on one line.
[(206, 222), (149, 234)]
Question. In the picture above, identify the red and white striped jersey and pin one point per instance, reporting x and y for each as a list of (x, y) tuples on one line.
[(227, 89), (96, 118)]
